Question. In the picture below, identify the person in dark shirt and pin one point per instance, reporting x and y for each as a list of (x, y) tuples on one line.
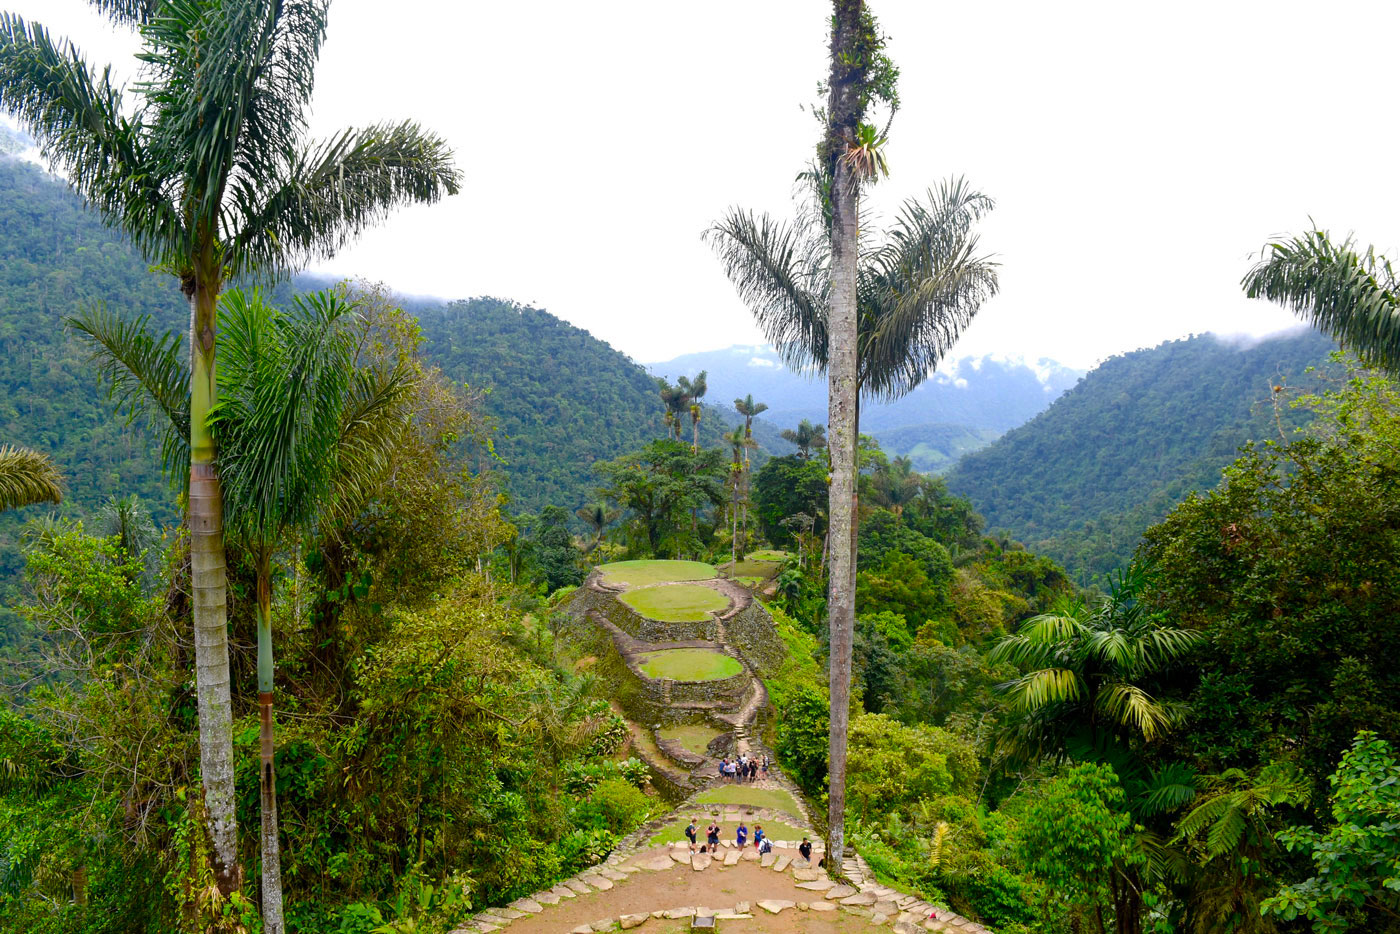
[(805, 848), (690, 834)]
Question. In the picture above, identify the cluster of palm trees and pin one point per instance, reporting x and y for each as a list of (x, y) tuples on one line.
[(205, 165), (681, 399)]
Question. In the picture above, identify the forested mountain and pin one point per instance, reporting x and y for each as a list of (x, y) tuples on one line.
[(1084, 479), (562, 399), (968, 403)]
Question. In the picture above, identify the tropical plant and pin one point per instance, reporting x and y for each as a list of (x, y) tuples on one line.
[(806, 436), (598, 516), (1087, 662), (301, 431), (694, 390), (205, 166), (1351, 295), (27, 477), (674, 401)]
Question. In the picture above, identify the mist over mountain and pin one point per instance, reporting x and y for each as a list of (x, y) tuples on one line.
[(968, 402)]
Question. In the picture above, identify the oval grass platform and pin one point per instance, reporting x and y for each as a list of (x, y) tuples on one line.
[(688, 665), (678, 603), (694, 737), (642, 573)]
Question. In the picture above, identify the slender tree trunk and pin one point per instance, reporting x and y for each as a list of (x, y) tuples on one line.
[(267, 785), (209, 587), (841, 429)]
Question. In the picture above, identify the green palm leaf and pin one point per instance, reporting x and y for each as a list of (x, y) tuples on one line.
[(1348, 294), (27, 477)]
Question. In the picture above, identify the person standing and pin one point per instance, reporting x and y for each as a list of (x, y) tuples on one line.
[(713, 837), (691, 833), (805, 848), (741, 835)]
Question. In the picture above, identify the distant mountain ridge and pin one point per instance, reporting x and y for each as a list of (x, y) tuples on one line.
[(1082, 480), (966, 404)]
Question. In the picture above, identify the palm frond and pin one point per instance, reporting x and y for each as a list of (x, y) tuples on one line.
[(148, 378), (1132, 707), (1044, 687), (1350, 295), (127, 12), (922, 288), (27, 477), (76, 114), (281, 396), (1169, 788), (779, 271), (330, 192), (373, 421)]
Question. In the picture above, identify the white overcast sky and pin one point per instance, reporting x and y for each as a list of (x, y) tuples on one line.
[(1139, 153)]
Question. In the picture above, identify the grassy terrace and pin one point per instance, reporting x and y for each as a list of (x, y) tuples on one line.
[(643, 573), (678, 603), (693, 736), (689, 665), (774, 798), (768, 556)]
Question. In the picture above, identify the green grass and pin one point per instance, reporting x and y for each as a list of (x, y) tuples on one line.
[(768, 556), (689, 665), (642, 573), (749, 582), (774, 798), (676, 603), (751, 569), (693, 736), (773, 829)]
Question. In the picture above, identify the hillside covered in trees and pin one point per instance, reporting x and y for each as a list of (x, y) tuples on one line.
[(1083, 480)]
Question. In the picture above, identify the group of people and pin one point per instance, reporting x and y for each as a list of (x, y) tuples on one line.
[(741, 838), (744, 769)]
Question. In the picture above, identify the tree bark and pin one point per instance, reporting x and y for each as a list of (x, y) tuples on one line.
[(841, 426), (267, 786), (209, 587)]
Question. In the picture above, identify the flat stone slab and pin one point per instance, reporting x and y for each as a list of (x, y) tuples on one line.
[(775, 905), (681, 856), (863, 899), (674, 913), (767, 860), (700, 862), (733, 916), (598, 882), (904, 927), (816, 885), (582, 929), (546, 898), (602, 924), (627, 869), (577, 887), (822, 906), (610, 873), (800, 863), (808, 875), (732, 857), (841, 891), (877, 917), (527, 904), (563, 891), (510, 913), (782, 864), (485, 927), (887, 908), (660, 864), (630, 921), (750, 854)]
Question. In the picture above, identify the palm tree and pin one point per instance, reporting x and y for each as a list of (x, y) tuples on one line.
[(27, 477), (694, 390), (806, 436), (1352, 296), (1087, 661), (598, 517), (898, 485), (750, 409), (739, 443), (302, 434), (676, 400), (206, 167)]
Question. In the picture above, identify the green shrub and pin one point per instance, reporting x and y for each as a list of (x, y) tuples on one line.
[(622, 805)]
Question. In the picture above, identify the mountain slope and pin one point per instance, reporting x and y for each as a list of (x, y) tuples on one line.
[(966, 404), (1084, 479), (563, 398)]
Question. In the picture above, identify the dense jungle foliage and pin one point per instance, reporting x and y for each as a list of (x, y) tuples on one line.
[(1083, 480), (1208, 747)]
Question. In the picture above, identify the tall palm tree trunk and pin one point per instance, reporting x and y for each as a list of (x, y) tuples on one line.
[(841, 430), (209, 586), (267, 787)]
